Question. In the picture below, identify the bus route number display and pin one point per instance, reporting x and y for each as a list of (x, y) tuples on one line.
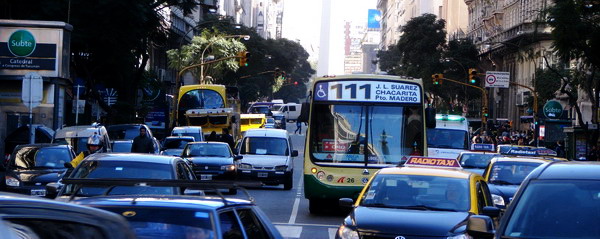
[(367, 91)]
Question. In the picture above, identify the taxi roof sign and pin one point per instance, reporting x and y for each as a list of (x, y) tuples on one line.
[(483, 147), (526, 151), (433, 162)]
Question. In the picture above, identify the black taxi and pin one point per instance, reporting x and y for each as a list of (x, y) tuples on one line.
[(424, 198)]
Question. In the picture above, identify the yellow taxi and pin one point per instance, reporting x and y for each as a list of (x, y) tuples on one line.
[(505, 174), (426, 197), (252, 121)]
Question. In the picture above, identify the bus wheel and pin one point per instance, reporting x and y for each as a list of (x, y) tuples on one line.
[(288, 184), (315, 206)]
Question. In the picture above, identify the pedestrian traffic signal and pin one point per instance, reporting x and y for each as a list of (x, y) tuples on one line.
[(473, 76), (438, 79), (243, 55)]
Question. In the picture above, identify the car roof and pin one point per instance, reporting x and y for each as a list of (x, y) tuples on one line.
[(122, 141), (124, 125), (279, 133), (180, 137), (208, 142), (164, 201), (520, 159), (183, 128), (428, 171), (571, 170), (77, 131), (44, 145), (132, 157)]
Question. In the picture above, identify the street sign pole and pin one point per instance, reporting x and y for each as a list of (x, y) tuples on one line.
[(31, 130), (31, 95), (77, 106)]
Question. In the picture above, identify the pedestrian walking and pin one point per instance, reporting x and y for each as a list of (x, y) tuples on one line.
[(142, 143), (298, 127), (227, 138), (212, 136)]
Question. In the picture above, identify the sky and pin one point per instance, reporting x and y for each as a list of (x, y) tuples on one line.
[(302, 22)]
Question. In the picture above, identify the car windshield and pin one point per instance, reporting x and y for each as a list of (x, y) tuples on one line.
[(207, 150), (122, 147), (511, 173), (40, 158), (365, 134), (197, 136), (79, 144), (543, 212), (264, 146), (270, 120), (468, 160), (130, 132), (120, 170), (259, 110), (178, 143), (151, 223), (417, 192), (447, 138)]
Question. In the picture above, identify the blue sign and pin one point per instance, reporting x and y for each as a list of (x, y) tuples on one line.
[(79, 83), (483, 147), (374, 19)]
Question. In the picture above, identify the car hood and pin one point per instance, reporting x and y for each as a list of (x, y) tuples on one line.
[(40, 176), (264, 160), (173, 152), (211, 161), (407, 222)]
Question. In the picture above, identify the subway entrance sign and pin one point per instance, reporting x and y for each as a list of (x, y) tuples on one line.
[(553, 109)]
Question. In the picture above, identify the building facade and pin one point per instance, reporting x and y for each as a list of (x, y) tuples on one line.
[(266, 16)]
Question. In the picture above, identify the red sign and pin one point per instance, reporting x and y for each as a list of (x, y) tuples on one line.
[(434, 162), (332, 146)]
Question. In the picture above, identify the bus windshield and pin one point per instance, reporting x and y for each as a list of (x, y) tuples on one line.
[(201, 99), (365, 134)]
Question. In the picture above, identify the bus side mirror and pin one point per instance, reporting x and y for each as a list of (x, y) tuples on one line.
[(430, 117)]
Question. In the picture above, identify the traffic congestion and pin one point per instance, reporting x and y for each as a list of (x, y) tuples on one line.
[(300, 119)]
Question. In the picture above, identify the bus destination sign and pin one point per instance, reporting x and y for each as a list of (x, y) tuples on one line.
[(367, 91)]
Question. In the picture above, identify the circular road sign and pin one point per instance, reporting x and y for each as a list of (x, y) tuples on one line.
[(491, 79)]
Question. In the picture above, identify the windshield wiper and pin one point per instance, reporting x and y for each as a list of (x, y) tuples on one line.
[(501, 182), (424, 207), (377, 205), (44, 167), (209, 155)]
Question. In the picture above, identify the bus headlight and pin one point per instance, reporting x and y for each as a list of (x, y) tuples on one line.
[(10, 181), (245, 166), (498, 200), (347, 233), (321, 175)]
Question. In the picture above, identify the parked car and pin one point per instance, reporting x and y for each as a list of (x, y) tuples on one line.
[(174, 145), (130, 131), (29, 217), (77, 136), (268, 157), (194, 131), (20, 136), (120, 166), (212, 160), (557, 200), (170, 216), (121, 146), (32, 166)]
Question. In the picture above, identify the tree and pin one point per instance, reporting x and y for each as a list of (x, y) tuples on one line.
[(576, 34), (210, 42)]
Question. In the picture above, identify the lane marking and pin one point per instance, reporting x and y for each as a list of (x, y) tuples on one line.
[(294, 213), (332, 232), (306, 225), (289, 231)]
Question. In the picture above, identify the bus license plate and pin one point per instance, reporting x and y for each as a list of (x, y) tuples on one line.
[(263, 175), (38, 192), (205, 176)]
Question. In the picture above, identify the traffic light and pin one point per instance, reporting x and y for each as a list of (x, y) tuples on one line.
[(473, 76), (437, 79), (295, 83), (243, 55), (484, 111)]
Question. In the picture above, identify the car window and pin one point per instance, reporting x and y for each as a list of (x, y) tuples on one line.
[(124, 133), (230, 227), (481, 198), (183, 172), (176, 143), (36, 158), (121, 147), (292, 108), (44, 228), (252, 225), (475, 160), (510, 173), (265, 146), (207, 150), (197, 136)]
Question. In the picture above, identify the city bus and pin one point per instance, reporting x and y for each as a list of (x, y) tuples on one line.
[(213, 107), (358, 124)]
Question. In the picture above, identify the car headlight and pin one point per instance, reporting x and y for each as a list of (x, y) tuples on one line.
[(498, 200), (347, 233), (281, 167), (460, 236), (10, 181), (230, 167), (245, 166)]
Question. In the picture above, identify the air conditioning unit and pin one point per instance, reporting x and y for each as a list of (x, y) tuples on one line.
[(523, 98)]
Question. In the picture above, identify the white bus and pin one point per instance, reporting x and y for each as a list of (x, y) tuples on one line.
[(449, 138)]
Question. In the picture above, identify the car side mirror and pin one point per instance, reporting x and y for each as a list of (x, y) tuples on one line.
[(294, 153), (430, 117), (491, 211), (68, 165), (238, 157), (52, 190), (193, 192), (346, 202), (480, 226)]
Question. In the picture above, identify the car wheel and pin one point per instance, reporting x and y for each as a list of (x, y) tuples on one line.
[(233, 191), (288, 184)]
